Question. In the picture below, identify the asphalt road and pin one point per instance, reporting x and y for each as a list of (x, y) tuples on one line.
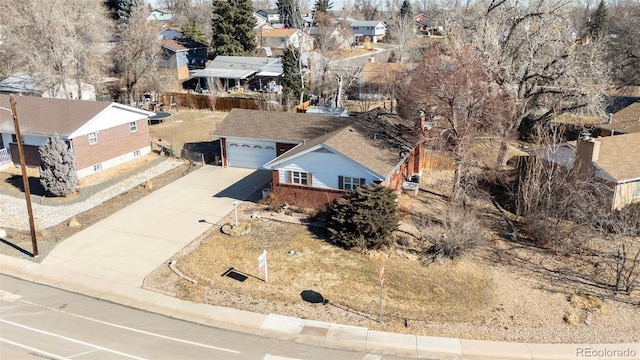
[(38, 321)]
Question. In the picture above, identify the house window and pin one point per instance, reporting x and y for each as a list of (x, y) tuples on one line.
[(636, 194), (136, 153), (133, 126), (298, 177), (93, 138), (349, 183), (97, 167)]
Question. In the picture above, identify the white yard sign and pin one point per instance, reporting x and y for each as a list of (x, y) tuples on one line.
[(262, 265)]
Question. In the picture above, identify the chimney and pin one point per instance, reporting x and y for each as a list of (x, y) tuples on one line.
[(587, 153)]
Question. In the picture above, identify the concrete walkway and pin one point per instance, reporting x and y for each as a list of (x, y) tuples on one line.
[(110, 259)]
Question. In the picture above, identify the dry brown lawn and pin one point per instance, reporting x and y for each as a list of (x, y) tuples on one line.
[(186, 126), (349, 280)]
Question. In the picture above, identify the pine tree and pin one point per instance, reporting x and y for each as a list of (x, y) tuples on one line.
[(291, 80), (244, 22), (289, 13), (598, 21), (232, 23), (405, 10), (322, 6), (193, 31), (120, 10), (57, 167), (365, 219)]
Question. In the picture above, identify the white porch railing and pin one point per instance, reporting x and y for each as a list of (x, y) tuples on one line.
[(5, 156)]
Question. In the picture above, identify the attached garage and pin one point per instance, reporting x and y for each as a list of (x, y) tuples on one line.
[(250, 154)]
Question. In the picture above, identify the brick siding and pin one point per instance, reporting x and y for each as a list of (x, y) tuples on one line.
[(112, 143)]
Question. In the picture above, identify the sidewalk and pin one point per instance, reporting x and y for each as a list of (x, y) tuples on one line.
[(110, 259)]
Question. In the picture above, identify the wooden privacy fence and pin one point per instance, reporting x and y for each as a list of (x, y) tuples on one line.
[(434, 160), (212, 102)]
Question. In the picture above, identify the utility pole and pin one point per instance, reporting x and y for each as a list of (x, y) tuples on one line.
[(25, 178)]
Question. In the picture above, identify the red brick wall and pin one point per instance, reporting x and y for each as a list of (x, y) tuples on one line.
[(31, 155), (223, 146), (306, 196), (112, 143)]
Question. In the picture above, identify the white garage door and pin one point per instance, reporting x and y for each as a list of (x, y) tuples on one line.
[(250, 153)]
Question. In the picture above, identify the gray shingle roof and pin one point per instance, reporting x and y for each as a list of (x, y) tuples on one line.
[(375, 139), (278, 126), (619, 155), (38, 115)]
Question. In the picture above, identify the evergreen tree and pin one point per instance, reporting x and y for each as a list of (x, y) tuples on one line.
[(120, 10), (193, 31), (366, 218), (289, 13), (57, 167), (291, 80), (405, 10), (232, 25), (322, 6), (244, 22), (598, 21)]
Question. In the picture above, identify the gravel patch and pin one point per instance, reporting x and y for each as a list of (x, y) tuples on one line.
[(50, 213)]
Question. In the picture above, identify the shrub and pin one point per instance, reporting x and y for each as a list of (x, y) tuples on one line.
[(57, 167), (365, 219), (460, 233)]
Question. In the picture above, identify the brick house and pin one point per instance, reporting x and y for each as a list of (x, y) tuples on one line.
[(101, 134), (315, 159)]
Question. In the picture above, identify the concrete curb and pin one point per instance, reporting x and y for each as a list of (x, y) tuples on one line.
[(316, 332)]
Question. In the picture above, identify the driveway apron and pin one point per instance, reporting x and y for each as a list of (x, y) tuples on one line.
[(126, 246)]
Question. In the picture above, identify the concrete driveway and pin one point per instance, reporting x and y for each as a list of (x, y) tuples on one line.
[(126, 246)]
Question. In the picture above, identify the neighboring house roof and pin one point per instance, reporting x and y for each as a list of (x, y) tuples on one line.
[(383, 73), (67, 118), (573, 119), (160, 14), (240, 67), (268, 11), (278, 33), (625, 121), (32, 84), (618, 156), (327, 110), (363, 23), (182, 44), (170, 32), (377, 140)]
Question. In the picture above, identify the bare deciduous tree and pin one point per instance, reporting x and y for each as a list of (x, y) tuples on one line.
[(368, 9), (455, 93), (530, 52), (191, 12), (624, 42), (58, 41), (137, 50)]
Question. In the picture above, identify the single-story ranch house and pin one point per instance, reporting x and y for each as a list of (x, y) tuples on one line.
[(101, 134), (314, 158)]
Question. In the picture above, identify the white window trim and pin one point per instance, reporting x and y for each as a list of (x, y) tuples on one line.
[(95, 138), (133, 126), (350, 184), (299, 178), (97, 167)]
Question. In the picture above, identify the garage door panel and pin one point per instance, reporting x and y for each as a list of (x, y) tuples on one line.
[(250, 154)]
